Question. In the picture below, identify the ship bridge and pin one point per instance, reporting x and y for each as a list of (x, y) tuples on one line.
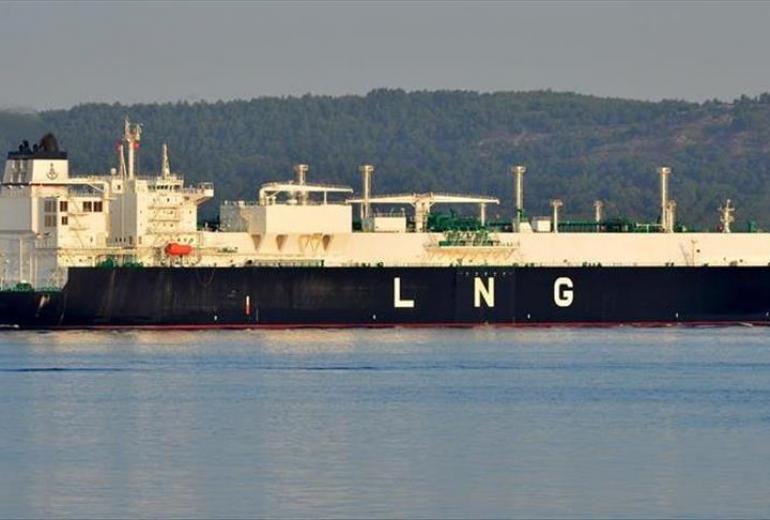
[(422, 203)]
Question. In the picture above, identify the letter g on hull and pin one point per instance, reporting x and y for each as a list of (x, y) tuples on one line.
[(563, 295)]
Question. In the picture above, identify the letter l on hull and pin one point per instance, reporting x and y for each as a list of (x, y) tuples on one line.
[(398, 301)]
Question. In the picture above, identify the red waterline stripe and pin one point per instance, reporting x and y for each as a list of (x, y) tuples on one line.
[(436, 325)]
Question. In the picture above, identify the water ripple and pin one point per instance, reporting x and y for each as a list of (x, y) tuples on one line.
[(65, 369)]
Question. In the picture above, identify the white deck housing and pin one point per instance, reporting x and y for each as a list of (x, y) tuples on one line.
[(50, 221)]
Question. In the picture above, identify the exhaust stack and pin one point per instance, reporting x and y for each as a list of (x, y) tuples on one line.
[(366, 176)]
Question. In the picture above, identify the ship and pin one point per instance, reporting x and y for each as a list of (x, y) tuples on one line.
[(125, 249)]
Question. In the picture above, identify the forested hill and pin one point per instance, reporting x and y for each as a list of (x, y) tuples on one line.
[(578, 148)]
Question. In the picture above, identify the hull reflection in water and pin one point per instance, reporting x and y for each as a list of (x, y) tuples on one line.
[(474, 423)]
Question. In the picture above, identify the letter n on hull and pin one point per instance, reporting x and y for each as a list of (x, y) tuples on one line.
[(483, 292)]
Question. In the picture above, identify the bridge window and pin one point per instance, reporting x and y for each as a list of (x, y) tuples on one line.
[(87, 206), (98, 206)]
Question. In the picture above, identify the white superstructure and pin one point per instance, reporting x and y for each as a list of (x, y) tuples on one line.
[(50, 221)]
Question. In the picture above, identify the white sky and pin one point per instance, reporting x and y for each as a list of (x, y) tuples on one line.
[(61, 54)]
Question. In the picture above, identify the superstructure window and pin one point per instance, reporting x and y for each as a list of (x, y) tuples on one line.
[(50, 220), (98, 206), (50, 206), (63, 206), (64, 220), (87, 206)]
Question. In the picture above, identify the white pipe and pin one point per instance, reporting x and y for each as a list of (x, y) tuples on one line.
[(366, 173), (130, 158), (671, 215), (519, 171), (300, 170), (556, 204), (598, 213), (726, 216), (664, 217), (131, 136), (121, 161), (165, 165)]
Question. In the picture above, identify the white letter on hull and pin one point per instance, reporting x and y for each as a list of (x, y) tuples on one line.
[(398, 302), (483, 291), (562, 292)]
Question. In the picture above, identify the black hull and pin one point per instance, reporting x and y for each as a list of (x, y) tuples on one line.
[(252, 297)]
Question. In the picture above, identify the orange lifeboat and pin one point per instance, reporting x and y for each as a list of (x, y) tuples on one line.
[(175, 249)]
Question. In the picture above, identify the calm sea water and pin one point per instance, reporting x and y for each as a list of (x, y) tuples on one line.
[(625, 422)]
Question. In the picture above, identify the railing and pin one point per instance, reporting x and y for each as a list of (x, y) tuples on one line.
[(240, 203)]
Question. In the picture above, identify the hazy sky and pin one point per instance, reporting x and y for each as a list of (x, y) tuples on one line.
[(60, 54)]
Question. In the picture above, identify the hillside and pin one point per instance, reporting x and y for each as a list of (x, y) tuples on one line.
[(576, 147)]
